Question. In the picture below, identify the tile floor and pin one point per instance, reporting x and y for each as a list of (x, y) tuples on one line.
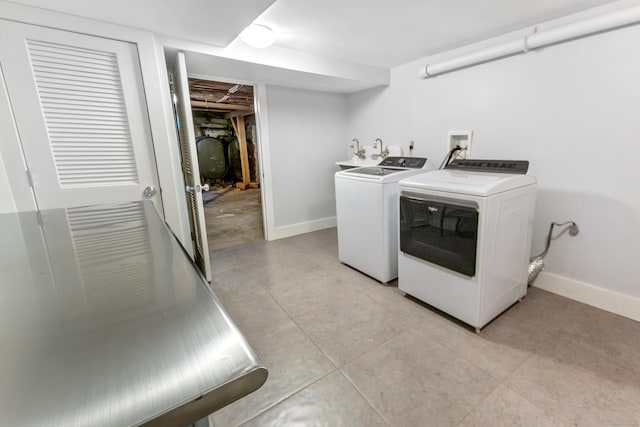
[(344, 350)]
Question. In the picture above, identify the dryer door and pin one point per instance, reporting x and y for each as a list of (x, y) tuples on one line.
[(439, 231)]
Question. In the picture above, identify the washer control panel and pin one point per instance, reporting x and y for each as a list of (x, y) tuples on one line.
[(502, 166), (404, 162)]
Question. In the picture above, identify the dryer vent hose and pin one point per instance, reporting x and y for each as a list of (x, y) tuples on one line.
[(536, 263)]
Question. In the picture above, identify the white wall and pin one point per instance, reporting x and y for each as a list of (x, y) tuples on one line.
[(307, 135), (573, 111)]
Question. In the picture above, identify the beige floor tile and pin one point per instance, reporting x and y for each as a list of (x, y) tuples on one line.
[(499, 349), (612, 336), (332, 401), (233, 278), (279, 266), (351, 327), (559, 360), (312, 292), (578, 384), (413, 381), (321, 255), (354, 276), (222, 260), (506, 408), (293, 362), (321, 240), (548, 312), (256, 314), (394, 300)]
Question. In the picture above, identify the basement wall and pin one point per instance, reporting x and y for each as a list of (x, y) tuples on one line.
[(573, 111), (307, 135)]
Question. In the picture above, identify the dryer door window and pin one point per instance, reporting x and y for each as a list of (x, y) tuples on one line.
[(439, 232)]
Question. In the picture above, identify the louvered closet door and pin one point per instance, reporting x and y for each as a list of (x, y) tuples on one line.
[(79, 105)]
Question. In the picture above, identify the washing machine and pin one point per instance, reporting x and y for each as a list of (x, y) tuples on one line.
[(367, 214), (465, 237)]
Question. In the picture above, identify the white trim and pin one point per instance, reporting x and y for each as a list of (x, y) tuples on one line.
[(264, 158), (163, 135), (606, 299), (11, 156), (303, 227)]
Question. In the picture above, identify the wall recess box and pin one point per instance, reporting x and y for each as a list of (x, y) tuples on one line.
[(463, 139)]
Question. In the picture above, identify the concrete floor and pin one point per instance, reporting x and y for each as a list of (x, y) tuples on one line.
[(233, 217)]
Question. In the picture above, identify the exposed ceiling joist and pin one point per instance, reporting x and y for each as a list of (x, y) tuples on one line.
[(220, 96)]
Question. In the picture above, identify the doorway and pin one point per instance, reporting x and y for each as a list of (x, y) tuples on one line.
[(224, 124)]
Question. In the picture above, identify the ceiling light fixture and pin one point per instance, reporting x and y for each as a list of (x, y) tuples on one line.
[(258, 36)]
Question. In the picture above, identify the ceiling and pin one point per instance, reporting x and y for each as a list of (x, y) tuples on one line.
[(389, 33), (217, 22), (373, 33)]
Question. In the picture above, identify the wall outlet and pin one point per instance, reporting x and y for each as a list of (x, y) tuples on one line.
[(463, 139)]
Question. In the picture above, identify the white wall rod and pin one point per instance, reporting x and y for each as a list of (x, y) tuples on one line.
[(536, 40)]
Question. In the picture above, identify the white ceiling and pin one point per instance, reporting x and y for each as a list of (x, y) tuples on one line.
[(370, 32), (389, 33), (217, 22)]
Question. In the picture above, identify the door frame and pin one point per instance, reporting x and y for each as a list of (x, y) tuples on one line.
[(264, 155)]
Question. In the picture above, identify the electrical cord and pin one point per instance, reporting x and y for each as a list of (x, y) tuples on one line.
[(447, 159)]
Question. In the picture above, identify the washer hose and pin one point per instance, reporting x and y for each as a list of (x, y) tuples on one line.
[(536, 263)]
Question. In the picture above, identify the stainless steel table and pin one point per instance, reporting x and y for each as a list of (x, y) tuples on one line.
[(104, 321)]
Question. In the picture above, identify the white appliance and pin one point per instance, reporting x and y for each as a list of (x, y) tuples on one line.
[(367, 214), (465, 237)]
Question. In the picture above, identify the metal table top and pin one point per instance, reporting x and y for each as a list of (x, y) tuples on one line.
[(106, 322)]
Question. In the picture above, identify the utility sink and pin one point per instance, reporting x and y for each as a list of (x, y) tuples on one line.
[(371, 157), (357, 162)]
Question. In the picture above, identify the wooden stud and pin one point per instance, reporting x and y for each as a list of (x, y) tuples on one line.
[(245, 185), (244, 153), (221, 106)]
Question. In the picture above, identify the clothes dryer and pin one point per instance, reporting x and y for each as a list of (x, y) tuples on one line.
[(465, 237)]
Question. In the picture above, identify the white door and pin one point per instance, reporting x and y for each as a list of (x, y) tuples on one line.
[(80, 110), (190, 167)]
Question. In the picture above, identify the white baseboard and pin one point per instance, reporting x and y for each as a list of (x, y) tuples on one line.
[(615, 302), (303, 227)]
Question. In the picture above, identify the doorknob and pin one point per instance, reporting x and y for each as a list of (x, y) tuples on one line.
[(150, 192), (197, 188)]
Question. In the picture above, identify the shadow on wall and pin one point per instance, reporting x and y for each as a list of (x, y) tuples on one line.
[(605, 252)]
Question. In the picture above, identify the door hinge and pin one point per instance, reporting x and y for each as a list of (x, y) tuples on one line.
[(29, 178)]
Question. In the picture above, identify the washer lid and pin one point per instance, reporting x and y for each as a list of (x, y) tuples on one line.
[(391, 169), (376, 174), (481, 184)]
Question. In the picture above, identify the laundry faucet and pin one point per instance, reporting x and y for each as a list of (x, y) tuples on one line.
[(355, 144), (383, 152)]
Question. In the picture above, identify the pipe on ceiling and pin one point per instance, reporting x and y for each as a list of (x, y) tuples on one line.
[(536, 40)]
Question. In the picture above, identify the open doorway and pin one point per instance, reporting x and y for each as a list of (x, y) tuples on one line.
[(224, 123)]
